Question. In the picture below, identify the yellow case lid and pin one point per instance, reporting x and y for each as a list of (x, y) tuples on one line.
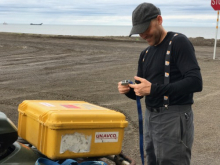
[(71, 114)]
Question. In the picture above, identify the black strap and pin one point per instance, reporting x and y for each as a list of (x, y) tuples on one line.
[(145, 54), (167, 70)]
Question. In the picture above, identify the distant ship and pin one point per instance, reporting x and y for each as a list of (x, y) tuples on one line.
[(36, 24), (5, 23)]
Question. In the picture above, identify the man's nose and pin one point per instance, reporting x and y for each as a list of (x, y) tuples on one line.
[(141, 34)]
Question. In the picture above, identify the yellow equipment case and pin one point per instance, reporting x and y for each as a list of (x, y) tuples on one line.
[(71, 129)]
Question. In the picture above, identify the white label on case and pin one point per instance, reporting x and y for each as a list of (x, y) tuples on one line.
[(47, 104), (77, 143), (106, 137)]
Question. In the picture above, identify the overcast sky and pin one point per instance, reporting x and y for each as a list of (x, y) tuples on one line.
[(104, 12)]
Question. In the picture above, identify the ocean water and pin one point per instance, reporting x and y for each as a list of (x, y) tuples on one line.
[(93, 30)]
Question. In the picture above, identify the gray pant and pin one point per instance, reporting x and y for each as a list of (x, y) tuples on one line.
[(169, 135)]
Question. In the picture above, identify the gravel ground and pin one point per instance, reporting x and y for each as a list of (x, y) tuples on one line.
[(40, 67)]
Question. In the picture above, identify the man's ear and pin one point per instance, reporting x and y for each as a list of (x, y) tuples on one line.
[(159, 19)]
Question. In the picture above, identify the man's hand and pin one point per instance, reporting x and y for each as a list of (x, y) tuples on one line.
[(142, 89), (123, 89)]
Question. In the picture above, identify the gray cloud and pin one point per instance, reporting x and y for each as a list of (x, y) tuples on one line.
[(118, 12)]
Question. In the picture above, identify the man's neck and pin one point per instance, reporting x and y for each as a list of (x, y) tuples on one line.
[(163, 35)]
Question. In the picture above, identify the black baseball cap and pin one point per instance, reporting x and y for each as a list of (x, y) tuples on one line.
[(142, 16)]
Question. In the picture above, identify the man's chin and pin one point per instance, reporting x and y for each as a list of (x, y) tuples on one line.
[(150, 43)]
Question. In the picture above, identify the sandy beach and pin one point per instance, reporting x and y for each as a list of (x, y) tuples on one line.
[(44, 67)]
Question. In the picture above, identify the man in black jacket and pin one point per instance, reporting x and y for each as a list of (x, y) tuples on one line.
[(168, 75)]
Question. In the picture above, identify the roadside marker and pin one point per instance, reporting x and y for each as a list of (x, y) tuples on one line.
[(216, 34)]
